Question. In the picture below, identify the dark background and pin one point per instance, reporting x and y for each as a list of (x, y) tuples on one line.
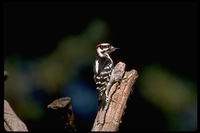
[(146, 32), (151, 29)]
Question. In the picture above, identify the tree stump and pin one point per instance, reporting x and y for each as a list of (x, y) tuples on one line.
[(110, 117)]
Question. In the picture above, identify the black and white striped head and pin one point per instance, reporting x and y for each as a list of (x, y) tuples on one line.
[(104, 49)]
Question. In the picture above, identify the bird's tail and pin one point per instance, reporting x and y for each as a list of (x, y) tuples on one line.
[(102, 102)]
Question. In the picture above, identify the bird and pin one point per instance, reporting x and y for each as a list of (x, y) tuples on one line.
[(102, 68)]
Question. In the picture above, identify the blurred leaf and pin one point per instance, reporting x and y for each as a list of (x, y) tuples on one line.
[(166, 90)]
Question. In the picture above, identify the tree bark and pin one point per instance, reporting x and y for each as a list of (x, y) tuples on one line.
[(11, 121), (62, 114), (110, 117)]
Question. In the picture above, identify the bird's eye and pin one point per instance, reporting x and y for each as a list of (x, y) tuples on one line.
[(103, 46), (107, 46)]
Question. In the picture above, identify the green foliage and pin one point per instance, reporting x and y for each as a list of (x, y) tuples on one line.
[(52, 71), (171, 93)]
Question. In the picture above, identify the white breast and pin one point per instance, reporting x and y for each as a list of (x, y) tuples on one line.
[(96, 66)]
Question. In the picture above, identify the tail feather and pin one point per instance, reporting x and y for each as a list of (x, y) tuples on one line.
[(102, 102)]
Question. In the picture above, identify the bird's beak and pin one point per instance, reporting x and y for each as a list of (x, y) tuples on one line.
[(114, 48)]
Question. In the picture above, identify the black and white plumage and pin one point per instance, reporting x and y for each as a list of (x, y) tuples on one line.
[(103, 67)]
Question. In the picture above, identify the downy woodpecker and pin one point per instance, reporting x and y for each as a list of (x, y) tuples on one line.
[(103, 67)]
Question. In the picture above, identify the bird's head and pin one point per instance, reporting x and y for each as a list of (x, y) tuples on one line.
[(104, 49)]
